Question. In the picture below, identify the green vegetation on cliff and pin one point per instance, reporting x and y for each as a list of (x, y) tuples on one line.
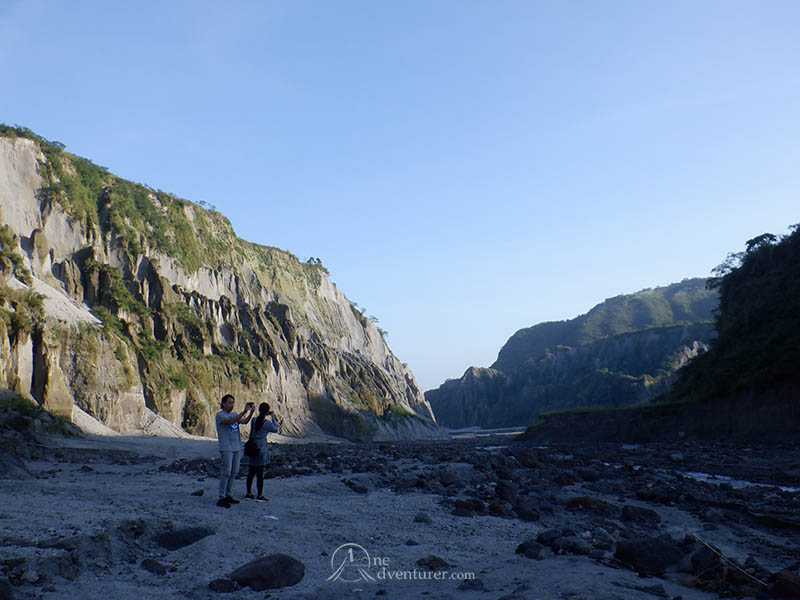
[(758, 323)]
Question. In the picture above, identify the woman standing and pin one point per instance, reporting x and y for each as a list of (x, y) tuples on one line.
[(259, 430)]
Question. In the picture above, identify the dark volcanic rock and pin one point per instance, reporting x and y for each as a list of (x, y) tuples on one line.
[(548, 536), (787, 585), (269, 572), (589, 504), (533, 549), (704, 561), (472, 584), (639, 514), (571, 545), (507, 491), (527, 511), (651, 556), (180, 538), (153, 566), (434, 563), (6, 591), (223, 586)]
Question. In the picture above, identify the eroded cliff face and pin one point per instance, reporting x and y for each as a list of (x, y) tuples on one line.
[(137, 303)]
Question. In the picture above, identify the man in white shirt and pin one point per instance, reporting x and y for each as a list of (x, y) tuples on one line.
[(230, 445)]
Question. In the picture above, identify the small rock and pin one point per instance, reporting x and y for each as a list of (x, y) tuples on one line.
[(223, 586), (704, 561), (588, 474), (548, 536), (31, 576), (472, 584), (499, 509), (198, 492), (434, 563), (507, 491), (6, 591), (571, 545), (448, 478), (589, 504), (527, 511), (356, 487), (269, 572), (86, 469), (180, 538), (532, 549), (786, 585), (639, 514), (422, 517), (411, 542), (602, 539), (153, 566), (651, 556)]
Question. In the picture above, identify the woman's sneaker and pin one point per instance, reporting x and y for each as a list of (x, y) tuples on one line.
[(260, 499), (231, 500), (250, 496), (223, 502)]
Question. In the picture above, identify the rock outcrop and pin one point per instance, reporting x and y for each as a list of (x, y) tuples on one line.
[(125, 301)]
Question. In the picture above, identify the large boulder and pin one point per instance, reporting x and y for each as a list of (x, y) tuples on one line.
[(270, 572)]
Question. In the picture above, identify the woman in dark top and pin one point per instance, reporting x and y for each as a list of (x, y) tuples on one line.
[(259, 429)]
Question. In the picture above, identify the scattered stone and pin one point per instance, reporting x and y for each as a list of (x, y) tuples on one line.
[(86, 469), (269, 572), (358, 488), (472, 584), (31, 576), (639, 514), (786, 585), (448, 478), (198, 492), (651, 556), (500, 509), (588, 474), (422, 517), (548, 536), (533, 549), (153, 566), (223, 586), (507, 491), (6, 591), (602, 539), (704, 561), (593, 505), (180, 538), (411, 542), (434, 563), (571, 545), (527, 511)]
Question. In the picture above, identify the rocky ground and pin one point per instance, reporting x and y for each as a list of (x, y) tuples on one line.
[(489, 518)]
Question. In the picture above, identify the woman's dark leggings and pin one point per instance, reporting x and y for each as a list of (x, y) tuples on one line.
[(258, 473)]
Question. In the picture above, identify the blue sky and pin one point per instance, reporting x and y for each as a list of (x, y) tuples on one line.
[(464, 169)]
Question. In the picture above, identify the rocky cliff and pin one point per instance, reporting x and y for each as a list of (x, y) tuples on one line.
[(134, 305), (622, 352)]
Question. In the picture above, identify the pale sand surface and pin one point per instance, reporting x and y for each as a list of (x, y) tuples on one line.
[(89, 499)]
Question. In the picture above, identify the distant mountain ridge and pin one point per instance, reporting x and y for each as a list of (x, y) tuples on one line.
[(624, 351), (680, 303)]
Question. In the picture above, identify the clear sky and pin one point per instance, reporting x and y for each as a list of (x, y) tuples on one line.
[(464, 169)]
